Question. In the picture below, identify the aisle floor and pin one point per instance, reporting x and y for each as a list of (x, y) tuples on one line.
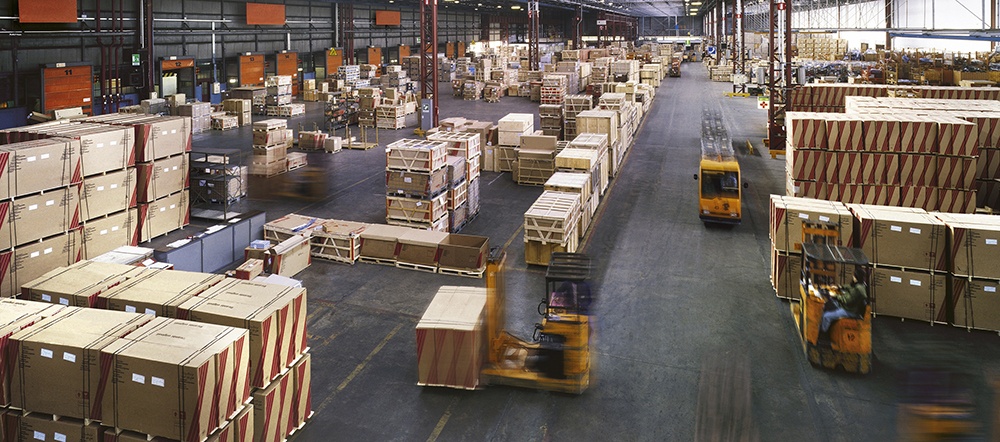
[(678, 301)]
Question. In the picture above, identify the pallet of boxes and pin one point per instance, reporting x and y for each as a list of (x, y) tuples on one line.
[(463, 160), (510, 129), (334, 240), (200, 113), (551, 225), (573, 105), (536, 159), (604, 122), (270, 148), (417, 162), (279, 94), (587, 153), (234, 352)]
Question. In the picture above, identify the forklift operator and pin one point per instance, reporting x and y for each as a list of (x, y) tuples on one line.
[(849, 302)]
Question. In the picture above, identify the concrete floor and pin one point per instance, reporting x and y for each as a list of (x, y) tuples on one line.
[(675, 297)]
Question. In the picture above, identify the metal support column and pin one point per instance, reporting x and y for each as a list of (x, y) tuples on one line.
[(428, 60), (779, 73), (533, 26), (484, 28), (888, 24), (347, 31), (578, 35)]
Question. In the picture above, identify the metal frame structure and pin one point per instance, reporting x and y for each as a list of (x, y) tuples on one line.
[(779, 70), (346, 18), (534, 23), (428, 56)]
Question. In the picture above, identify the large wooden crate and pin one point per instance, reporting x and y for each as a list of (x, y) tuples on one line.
[(451, 338), (539, 253), (462, 144), (584, 160), (328, 239), (552, 218), (416, 155), (599, 122), (576, 182), (416, 210)]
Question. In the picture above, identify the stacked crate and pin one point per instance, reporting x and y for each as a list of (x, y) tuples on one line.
[(651, 74), (369, 99), (536, 159), (493, 91), (463, 67), (270, 148), (786, 217), (576, 157), (484, 68), (389, 116), (551, 119), (161, 182), (604, 122), (574, 104), (579, 183), (468, 147), (553, 90), (421, 168), (975, 271), (395, 77), (451, 338), (335, 240), (279, 90), (257, 96), (628, 119), (511, 127), (351, 75), (550, 225), (472, 90), (240, 108), (200, 114), (625, 70)]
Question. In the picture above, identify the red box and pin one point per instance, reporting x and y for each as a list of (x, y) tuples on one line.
[(956, 172), (881, 135), (806, 130), (988, 164), (957, 137), (918, 135), (805, 165), (844, 133), (956, 201)]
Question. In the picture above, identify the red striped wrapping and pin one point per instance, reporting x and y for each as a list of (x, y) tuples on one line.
[(956, 201), (805, 189), (845, 133), (987, 128), (830, 167), (988, 193), (806, 130), (881, 135), (957, 137), (955, 172), (869, 194), (918, 135), (917, 170), (805, 165), (988, 164), (864, 168), (919, 197)]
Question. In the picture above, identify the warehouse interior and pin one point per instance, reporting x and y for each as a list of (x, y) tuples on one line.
[(476, 219)]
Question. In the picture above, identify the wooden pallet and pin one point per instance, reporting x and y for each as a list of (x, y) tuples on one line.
[(379, 261), (417, 267), (468, 273)]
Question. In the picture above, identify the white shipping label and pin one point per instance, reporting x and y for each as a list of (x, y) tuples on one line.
[(138, 378), (173, 168), (39, 435), (69, 357), (114, 229), (896, 228), (991, 242), (104, 232), (130, 308), (156, 381), (824, 219), (31, 158), (43, 156), (915, 282), (895, 279), (33, 207), (173, 131), (989, 289), (804, 215), (64, 301), (45, 353), (173, 206), (100, 188), (163, 209), (166, 169), (164, 132), (45, 297), (113, 143), (50, 203), (34, 254), (86, 100), (150, 312), (407, 180), (47, 251), (113, 186), (100, 145), (914, 230), (59, 437)]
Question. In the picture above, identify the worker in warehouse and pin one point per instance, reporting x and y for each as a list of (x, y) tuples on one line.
[(849, 302)]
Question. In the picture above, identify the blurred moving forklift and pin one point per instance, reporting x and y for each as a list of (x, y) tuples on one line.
[(559, 357), (720, 189)]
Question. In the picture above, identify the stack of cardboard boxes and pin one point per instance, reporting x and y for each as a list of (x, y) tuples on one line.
[(536, 159), (574, 104), (511, 128), (464, 151), (451, 338), (200, 113), (587, 153), (417, 183), (419, 249), (270, 148), (551, 119), (257, 96), (604, 122), (369, 98)]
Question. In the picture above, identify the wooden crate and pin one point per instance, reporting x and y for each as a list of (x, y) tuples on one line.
[(599, 122), (329, 239), (268, 169), (534, 167), (451, 338), (458, 195), (539, 253), (438, 225), (225, 122), (390, 123), (462, 144), (297, 160), (552, 218), (506, 158), (416, 155), (416, 210)]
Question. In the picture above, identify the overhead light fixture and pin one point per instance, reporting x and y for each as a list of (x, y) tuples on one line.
[(479, 4), (696, 3), (498, 6), (693, 13), (515, 7)]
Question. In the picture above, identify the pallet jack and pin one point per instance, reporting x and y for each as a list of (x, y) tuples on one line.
[(558, 359)]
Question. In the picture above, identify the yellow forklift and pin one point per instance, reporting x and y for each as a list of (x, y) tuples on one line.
[(829, 272), (720, 186), (559, 357)]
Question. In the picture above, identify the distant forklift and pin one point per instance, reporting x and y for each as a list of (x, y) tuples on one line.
[(720, 186)]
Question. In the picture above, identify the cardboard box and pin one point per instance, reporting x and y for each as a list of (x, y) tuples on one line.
[(988, 164), (844, 132), (908, 294), (786, 270), (420, 247), (155, 136), (105, 234), (545, 143), (881, 134), (164, 215), (897, 238), (976, 303), (302, 409), (421, 184), (33, 166), (918, 170), (788, 213), (451, 341), (109, 193), (42, 427), (464, 252), (918, 134), (919, 197), (957, 173), (162, 389), (957, 137), (269, 422), (974, 249), (456, 170), (162, 177), (257, 307), (31, 218), (250, 269), (806, 165), (290, 256), (806, 130), (57, 363), (156, 292), (128, 255), (243, 425), (25, 263), (16, 315), (956, 201), (102, 148), (79, 284)]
